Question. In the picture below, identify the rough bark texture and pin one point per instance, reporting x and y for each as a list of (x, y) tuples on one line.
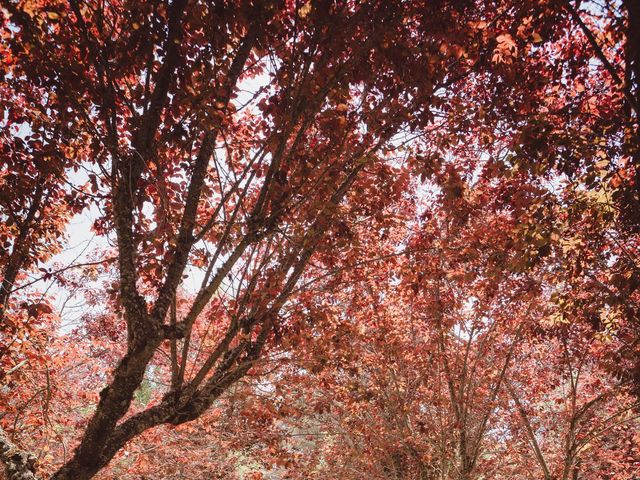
[(18, 465)]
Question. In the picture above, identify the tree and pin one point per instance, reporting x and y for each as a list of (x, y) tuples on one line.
[(442, 362), (144, 98), (247, 141)]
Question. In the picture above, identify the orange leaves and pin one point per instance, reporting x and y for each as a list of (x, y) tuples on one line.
[(452, 51), (360, 209), (505, 50), (304, 10)]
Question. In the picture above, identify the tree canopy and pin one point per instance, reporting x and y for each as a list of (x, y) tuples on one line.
[(327, 239)]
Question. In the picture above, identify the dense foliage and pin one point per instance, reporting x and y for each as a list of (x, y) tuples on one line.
[(320, 240)]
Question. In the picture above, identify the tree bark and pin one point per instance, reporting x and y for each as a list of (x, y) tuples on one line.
[(18, 464)]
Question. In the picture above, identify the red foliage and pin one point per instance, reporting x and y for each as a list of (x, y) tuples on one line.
[(335, 239)]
